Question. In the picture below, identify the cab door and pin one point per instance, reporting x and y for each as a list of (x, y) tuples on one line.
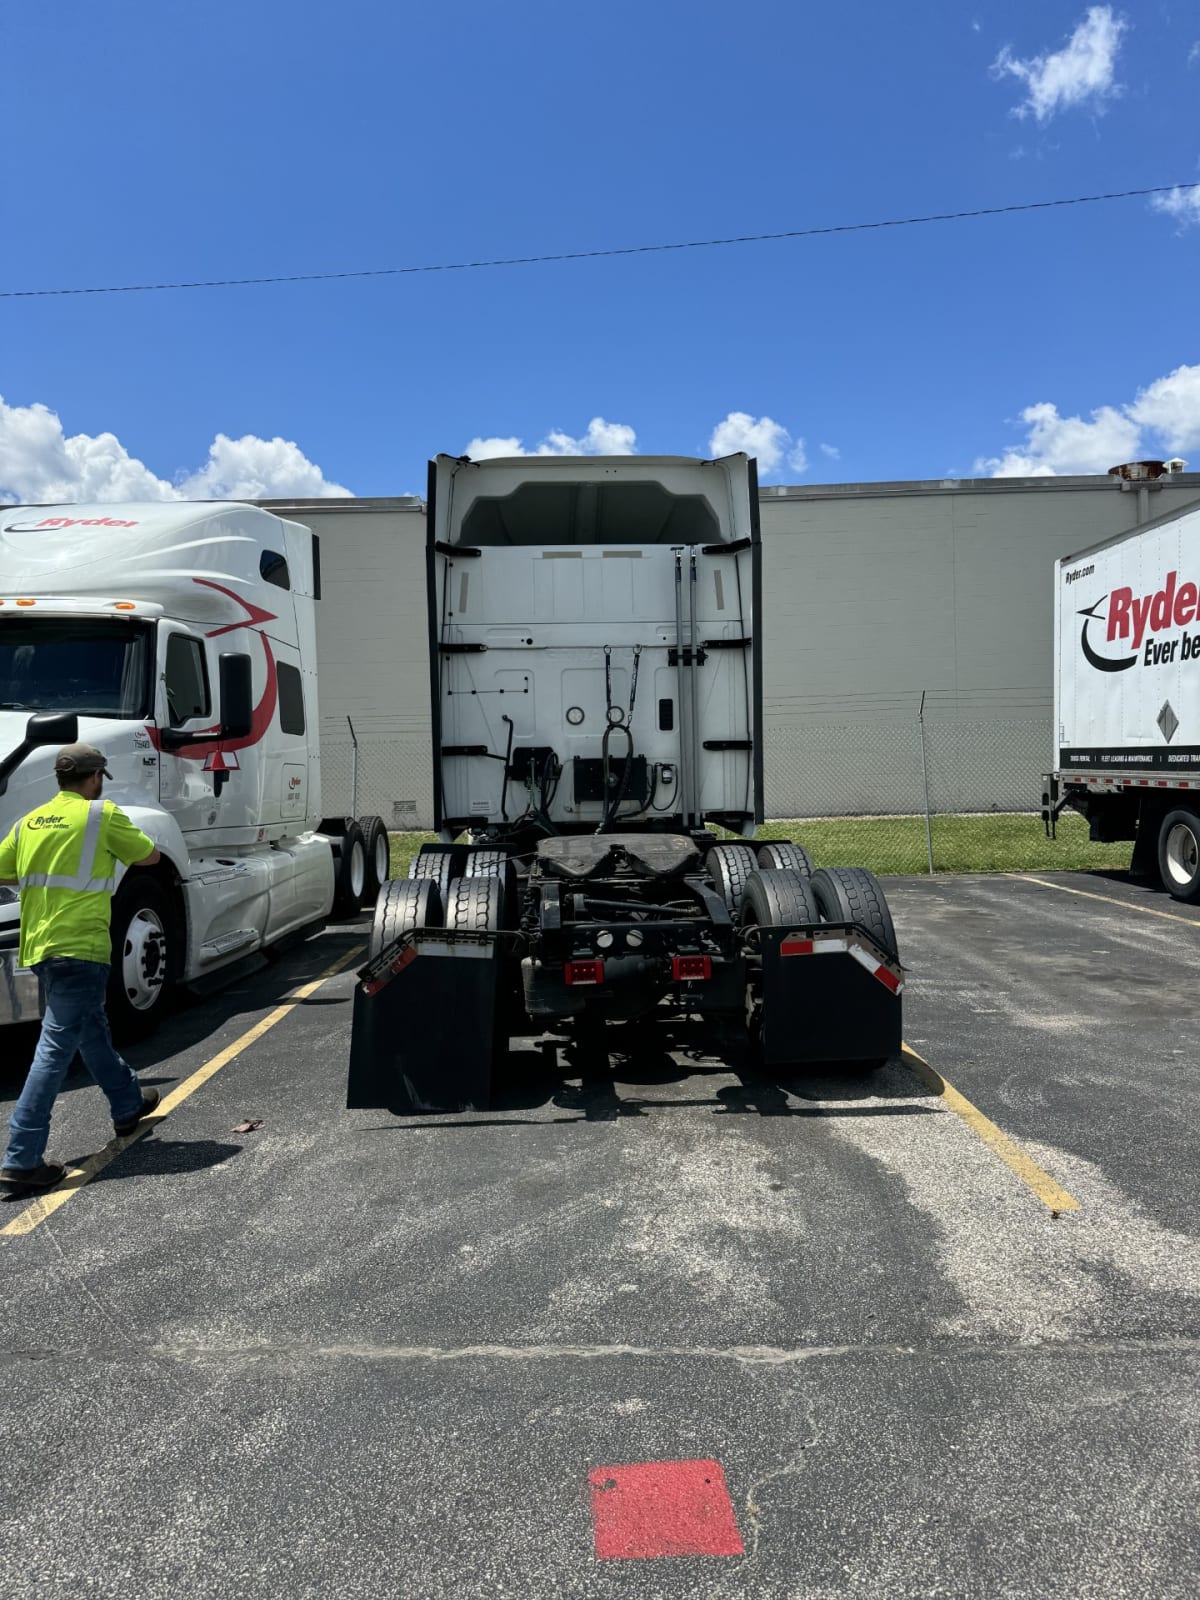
[(185, 705)]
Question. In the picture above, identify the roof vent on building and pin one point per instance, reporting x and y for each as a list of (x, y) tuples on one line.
[(1139, 471)]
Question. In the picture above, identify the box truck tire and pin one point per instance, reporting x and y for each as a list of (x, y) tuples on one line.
[(402, 906), (1179, 855), (779, 856), (144, 957), (378, 857), (852, 894)]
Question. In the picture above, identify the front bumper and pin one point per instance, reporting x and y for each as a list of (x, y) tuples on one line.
[(20, 992)]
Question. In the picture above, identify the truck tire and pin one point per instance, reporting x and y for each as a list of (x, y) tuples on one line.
[(434, 865), (778, 898), (729, 867), (378, 857), (851, 894), (779, 856), (402, 906), (350, 872), (1179, 855), (475, 905), (144, 956), (487, 864)]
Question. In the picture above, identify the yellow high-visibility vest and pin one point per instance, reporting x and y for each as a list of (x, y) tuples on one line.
[(64, 857)]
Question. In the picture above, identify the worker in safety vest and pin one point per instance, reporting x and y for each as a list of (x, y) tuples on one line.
[(63, 857)]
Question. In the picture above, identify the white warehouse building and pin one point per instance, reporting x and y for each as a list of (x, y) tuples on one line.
[(907, 640)]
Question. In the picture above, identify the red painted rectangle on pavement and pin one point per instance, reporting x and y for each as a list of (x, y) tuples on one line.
[(663, 1508)]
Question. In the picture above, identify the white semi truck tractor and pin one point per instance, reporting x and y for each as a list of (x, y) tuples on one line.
[(180, 639), (596, 686), (1127, 696)]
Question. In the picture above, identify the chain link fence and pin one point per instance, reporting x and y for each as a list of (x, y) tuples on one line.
[(937, 790), (913, 796)]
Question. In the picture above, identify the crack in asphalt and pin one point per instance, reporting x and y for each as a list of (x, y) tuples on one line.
[(743, 1355)]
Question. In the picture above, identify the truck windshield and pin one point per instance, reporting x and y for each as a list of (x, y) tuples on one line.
[(98, 669)]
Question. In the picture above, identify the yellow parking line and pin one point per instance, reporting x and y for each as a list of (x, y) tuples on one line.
[(1109, 900), (1026, 1168), (47, 1204)]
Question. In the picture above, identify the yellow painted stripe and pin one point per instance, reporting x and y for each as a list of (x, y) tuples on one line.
[(47, 1204), (1109, 900), (1026, 1168)]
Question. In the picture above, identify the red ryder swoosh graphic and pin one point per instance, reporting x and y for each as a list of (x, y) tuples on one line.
[(263, 711)]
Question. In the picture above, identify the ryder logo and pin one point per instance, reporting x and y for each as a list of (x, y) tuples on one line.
[(1135, 619)]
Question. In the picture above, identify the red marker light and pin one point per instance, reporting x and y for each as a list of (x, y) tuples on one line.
[(686, 969)]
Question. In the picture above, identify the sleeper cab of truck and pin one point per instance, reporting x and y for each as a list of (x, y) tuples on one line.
[(181, 640)]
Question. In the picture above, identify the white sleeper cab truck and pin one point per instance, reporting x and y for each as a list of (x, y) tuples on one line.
[(1127, 696), (181, 640), (597, 708)]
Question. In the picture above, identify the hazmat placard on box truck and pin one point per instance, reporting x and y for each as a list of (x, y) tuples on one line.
[(1127, 694)]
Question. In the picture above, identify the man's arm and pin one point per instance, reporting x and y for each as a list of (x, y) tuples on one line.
[(8, 859), (129, 844)]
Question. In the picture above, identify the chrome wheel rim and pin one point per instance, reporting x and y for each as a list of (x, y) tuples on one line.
[(358, 868), (144, 959), (1183, 855)]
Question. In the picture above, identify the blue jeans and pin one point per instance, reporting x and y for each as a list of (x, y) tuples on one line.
[(74, 1019)]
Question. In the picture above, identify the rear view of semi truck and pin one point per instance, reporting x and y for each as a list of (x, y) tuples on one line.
[(597, 709), (1127, 697)]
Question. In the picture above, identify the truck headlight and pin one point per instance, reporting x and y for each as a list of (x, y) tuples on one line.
[(7, 895)]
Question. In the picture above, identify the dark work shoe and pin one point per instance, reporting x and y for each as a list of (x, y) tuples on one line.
[(43, 1177), (127, 1124)]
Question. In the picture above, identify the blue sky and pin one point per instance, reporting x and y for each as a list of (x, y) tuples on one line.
[(155, 140)]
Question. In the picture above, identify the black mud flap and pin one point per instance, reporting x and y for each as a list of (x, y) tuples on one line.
[(829, 994), (424, 1032)]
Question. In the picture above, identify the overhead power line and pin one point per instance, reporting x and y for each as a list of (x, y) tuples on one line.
[(598, 255)]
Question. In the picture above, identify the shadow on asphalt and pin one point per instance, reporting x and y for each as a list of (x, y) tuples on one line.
[(196, 1018), (148, 1158), (531, 1080)]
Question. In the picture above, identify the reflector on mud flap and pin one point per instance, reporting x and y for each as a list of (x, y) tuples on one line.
[(800, 944)]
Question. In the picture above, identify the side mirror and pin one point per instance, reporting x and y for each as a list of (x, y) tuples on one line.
[(237, 697), (52, 727)]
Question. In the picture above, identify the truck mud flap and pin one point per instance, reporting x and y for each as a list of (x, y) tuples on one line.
[(829, 994), (423, 1036)]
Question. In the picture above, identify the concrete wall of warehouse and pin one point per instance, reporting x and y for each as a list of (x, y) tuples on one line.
[(877, 596)]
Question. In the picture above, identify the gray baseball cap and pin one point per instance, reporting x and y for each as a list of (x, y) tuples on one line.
[(79, 760)]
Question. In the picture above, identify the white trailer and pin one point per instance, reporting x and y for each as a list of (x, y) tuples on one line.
[(181, 640), (597, 707), (1127, 696)]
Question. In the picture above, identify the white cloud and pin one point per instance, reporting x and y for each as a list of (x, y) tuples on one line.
[(1181, 203), (1163, 418), (601, 439), (1170, 408), (1081, 73), (762, 437), (489, 449), (831, 451), (40, 463), (1194, 55)]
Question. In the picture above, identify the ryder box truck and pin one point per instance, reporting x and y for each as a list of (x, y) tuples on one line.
[(180, 639), (1127, 696)]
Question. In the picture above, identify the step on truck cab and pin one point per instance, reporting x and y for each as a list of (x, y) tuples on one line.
[(1127, 696), (180, 639), (596, 689)]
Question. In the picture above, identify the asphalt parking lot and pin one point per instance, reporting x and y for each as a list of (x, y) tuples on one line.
[(925, 1342)]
